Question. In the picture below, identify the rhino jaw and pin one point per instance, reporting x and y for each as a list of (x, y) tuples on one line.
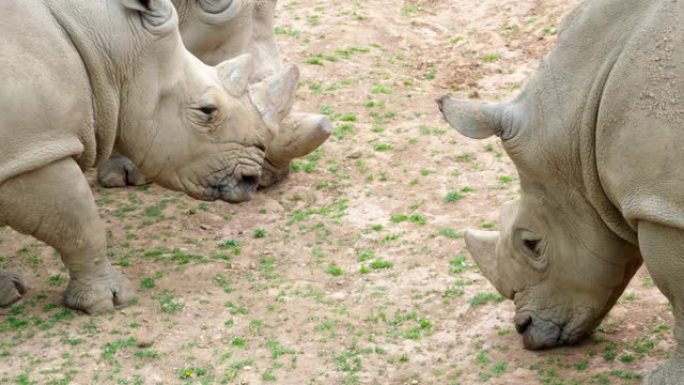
[(482, 247)]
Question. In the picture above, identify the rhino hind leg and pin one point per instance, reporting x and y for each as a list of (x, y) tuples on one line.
[(663, 250), (54, 204), (12, 288), (119, 171)]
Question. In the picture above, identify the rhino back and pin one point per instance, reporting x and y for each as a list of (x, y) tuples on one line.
[(45, 100), (640, 126)]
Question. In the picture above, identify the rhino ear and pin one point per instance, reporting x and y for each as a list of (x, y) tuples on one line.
[(235, 74), (274, 96), (474, 120), (156, 13)]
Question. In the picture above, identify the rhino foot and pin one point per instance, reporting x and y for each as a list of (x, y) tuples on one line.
[(669, 373), (118, 171), (12, 288), (99, 294)]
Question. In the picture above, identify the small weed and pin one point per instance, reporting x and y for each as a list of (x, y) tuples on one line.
[(380, 264), (483, 298), (453, 197)]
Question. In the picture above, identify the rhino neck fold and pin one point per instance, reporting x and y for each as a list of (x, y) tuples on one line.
[(564, 100), (98, 64), (591, 181)]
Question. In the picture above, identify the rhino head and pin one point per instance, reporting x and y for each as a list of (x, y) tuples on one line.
[(215, 30), (209, 126), (554, 256)]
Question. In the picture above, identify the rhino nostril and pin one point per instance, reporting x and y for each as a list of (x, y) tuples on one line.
[(522, 324), (249, 181)]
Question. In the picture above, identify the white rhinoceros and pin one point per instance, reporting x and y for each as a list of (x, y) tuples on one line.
[(217, 30), (597, 138), (81, 76)]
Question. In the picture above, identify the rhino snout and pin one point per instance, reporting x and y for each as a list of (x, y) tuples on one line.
[(237, 189), (537, 333)]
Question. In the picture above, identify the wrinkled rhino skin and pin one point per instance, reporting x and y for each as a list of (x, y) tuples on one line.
[(217, 30), (596, 137), (67, 100)]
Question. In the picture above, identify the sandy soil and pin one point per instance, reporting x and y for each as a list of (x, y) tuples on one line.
[(352, 271)]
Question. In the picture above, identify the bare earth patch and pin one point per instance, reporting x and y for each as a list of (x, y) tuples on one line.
[(353, 271)]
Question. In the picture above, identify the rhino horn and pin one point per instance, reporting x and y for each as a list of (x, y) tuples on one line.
[(472, 119), (274, 96), (235, 74), (299, 135), (482, 247)]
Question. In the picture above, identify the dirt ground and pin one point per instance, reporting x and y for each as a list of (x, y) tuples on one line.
[(352, 271)]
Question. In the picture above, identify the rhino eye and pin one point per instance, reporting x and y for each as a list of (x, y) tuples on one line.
[(532, 245), (531, 242), (208, 110)]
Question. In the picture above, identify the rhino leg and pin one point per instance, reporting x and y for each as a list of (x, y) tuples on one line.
[(55, 205), (12, 288), (663, 251), (118, 171)]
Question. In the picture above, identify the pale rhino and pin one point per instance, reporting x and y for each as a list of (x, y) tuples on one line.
[(81, 77), (597, 139), (217, 30)]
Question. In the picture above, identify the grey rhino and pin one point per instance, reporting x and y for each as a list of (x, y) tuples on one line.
[(596, 137), (80, 77), (217, 30)]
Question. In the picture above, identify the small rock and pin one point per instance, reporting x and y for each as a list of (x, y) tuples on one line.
[(145, 342), (338, 296), (354, 155)]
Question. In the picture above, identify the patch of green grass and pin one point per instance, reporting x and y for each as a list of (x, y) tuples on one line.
[(348, 118), (155, 210), (347, 52), (458, 265), (334, 270), (259, 233), (277, 349), (450, 233), (288, 31), (380, 264), (453, 196), (239, 342), (232, 245), (56, 280), (342, 131), (191, 372), (490, 58), (483, 298), (499, 368), (413, 218), (268, 376), (234, 308), (410, 10), (380, 89), (224, 283), (111, 348), (383, 147), (169, 302)]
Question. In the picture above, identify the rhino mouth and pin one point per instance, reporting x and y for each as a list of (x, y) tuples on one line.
[(540, 333), (235, 189)]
